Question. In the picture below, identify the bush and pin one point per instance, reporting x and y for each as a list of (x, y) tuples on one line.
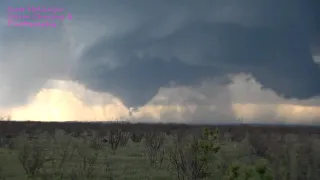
[(33, 154), (114, 138), (63, 148), (154, 142), (85, 169), (136, 137), (240, 171), (125, 136), (88, 152), (191, 157)]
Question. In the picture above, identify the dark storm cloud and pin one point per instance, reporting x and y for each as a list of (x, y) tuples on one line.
[(138, 81), (149, 44), (276, 53), (316, 18)]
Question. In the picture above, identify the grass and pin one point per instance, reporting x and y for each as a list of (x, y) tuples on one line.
[(286, 156), (129, 163)]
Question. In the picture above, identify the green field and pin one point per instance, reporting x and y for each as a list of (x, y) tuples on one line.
[(128, 163), (138, 154)]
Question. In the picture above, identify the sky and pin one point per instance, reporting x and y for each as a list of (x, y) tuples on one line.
[(205, 61)]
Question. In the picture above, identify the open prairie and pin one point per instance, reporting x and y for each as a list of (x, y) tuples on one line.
[(38, 150)]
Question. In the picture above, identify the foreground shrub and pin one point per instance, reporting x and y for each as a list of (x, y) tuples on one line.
[(63, 148), (94, 141), (136, 137), (190, 158), (113, 138), (87, 158), (89, 166), (33, 154), (241, 171), (108, 174), (125, 136), (154, 142)]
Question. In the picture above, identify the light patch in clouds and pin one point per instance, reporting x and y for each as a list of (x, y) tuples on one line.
[(69, 101), (271, 113), (317, 58)]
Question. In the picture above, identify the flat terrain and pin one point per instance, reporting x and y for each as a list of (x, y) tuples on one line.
[(128, 163), (36, 150)]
